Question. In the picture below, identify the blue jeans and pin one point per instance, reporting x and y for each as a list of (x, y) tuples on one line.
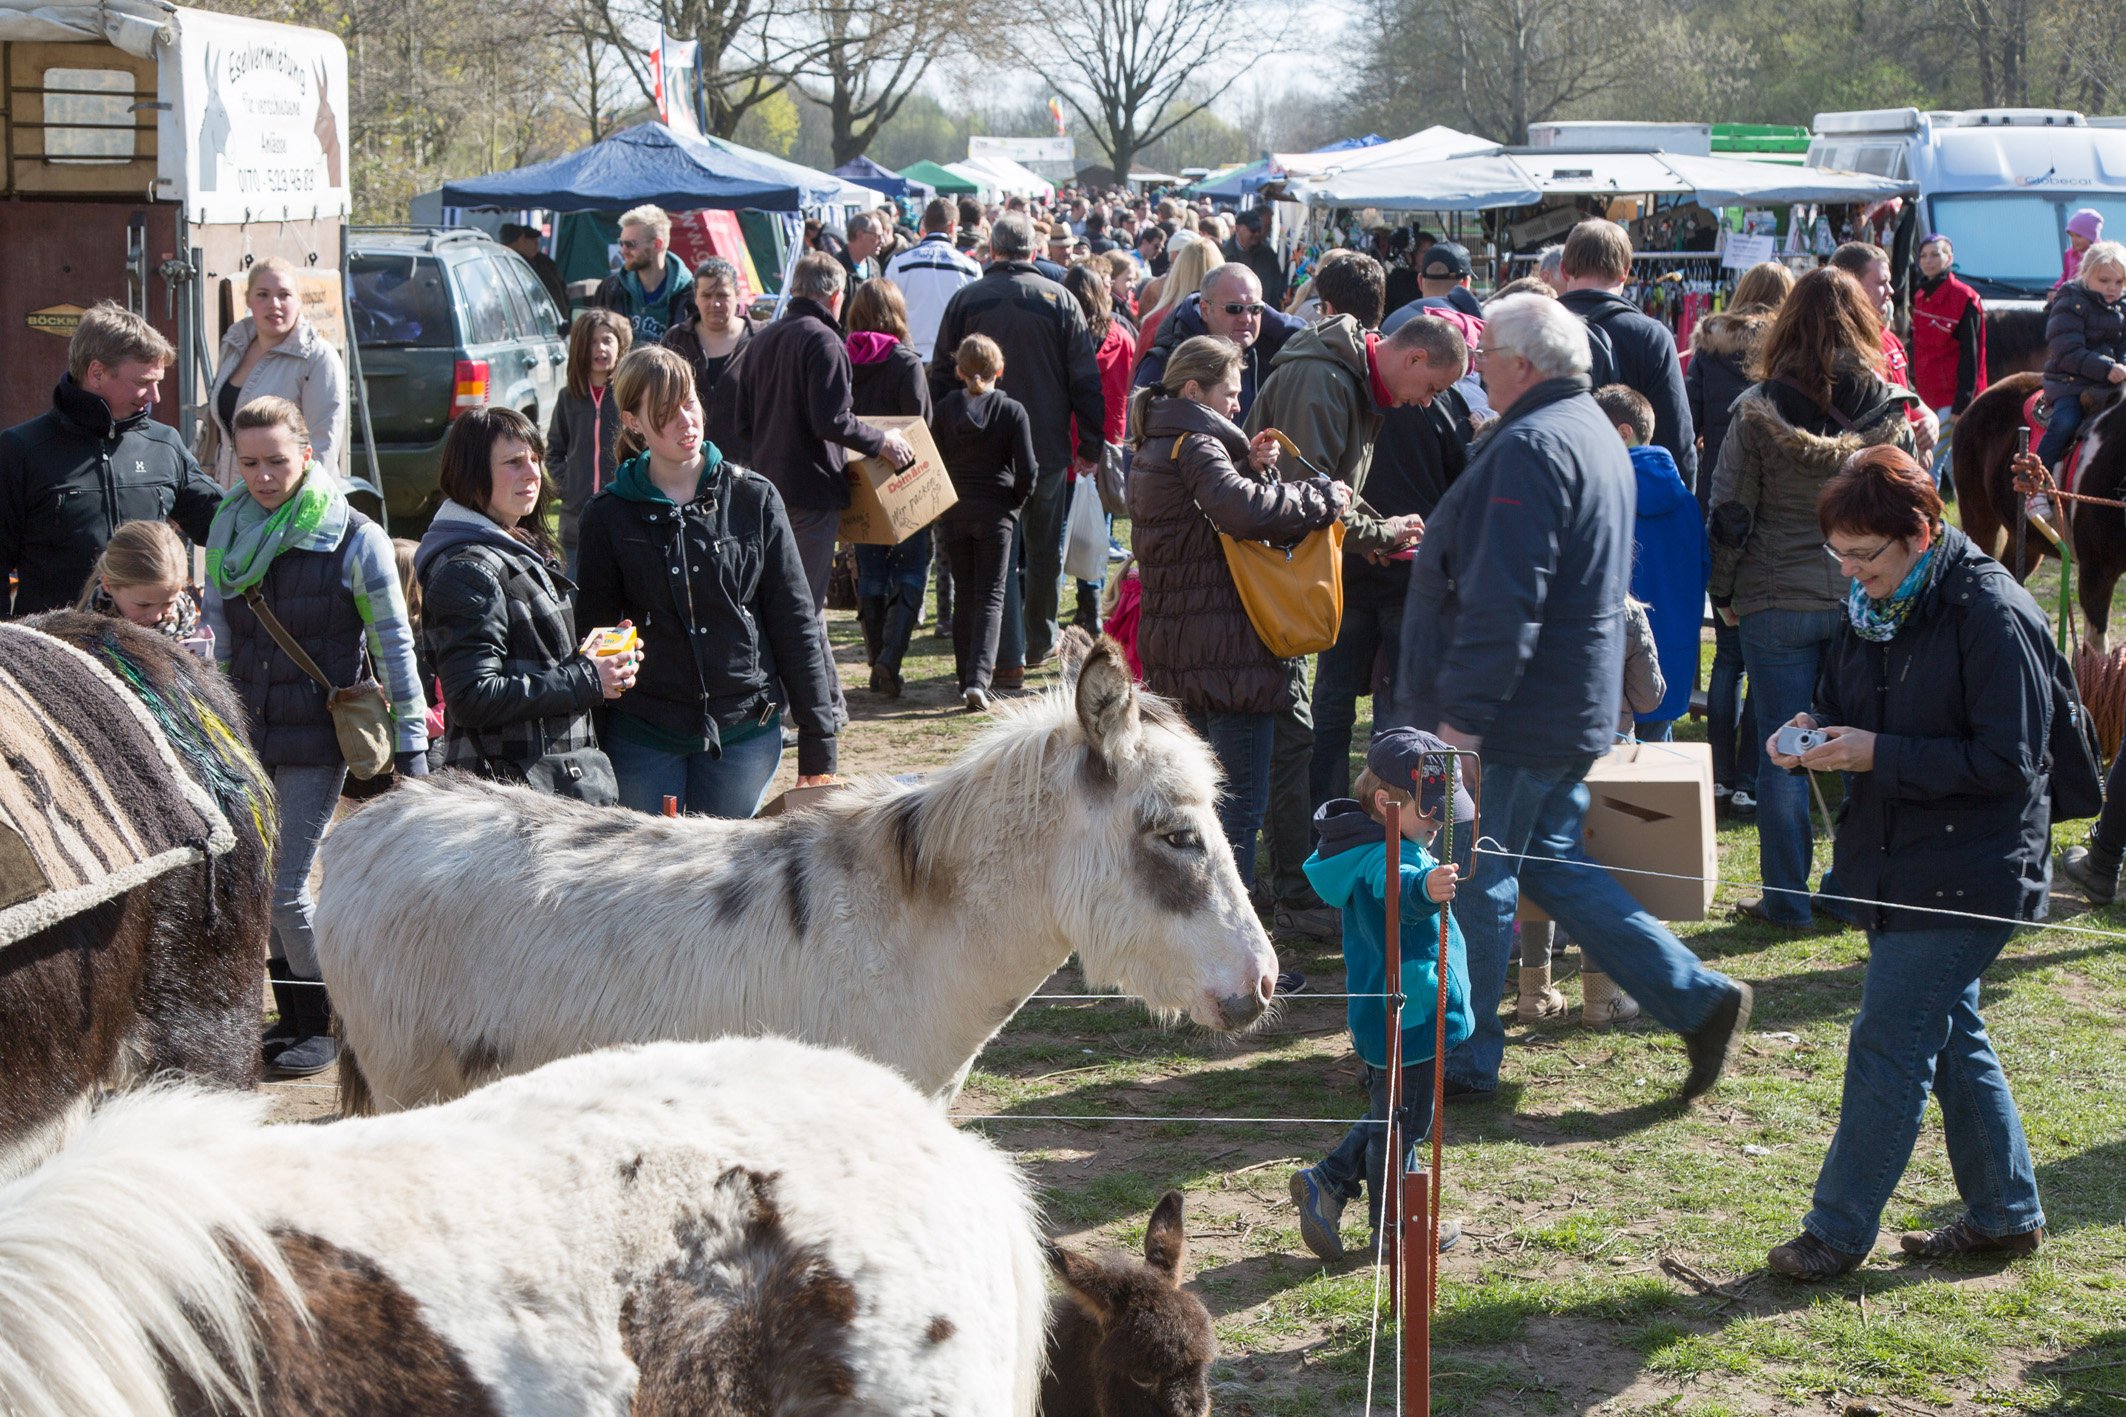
[(2059, 430), (1361, 1157), (308, 796), (1242, 743), (1918, 1030), (1662, 732), (880, 570), (1730, 713), (1783, 651), (1534, 817), (1044, 525), (704, 784)]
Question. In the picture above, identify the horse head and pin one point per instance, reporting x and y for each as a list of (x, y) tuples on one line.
[(1146, 887), (1155, 1342)]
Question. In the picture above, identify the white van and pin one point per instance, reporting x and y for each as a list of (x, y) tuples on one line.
[(2000, 183)]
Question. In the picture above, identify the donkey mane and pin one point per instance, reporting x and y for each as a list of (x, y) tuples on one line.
[(126, 1253)]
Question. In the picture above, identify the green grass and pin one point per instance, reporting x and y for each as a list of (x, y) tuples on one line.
[(1583, 1177)]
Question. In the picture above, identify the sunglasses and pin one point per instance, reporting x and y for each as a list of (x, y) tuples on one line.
[(1242, 308)]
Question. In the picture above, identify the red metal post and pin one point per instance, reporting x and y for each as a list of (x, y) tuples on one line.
[(671, 805), (1418, 1240)]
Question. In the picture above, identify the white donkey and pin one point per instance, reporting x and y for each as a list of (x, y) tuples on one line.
[(741, 1228), (470, 930)]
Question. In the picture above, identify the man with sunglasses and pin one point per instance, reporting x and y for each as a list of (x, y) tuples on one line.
[(1229, 307), (650, 290)]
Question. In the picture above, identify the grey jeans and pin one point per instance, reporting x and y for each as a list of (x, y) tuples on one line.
[(817, 530), (307, 797)]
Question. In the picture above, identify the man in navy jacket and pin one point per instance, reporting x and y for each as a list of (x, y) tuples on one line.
[(1513, 644), (1642, 351)]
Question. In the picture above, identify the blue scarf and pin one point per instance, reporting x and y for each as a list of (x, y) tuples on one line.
[(1879, 620)]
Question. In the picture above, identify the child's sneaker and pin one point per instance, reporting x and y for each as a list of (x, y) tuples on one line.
[(1321, 1212)]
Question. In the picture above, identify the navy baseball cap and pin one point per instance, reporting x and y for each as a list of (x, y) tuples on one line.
[(1447, 260), (1397, 754)]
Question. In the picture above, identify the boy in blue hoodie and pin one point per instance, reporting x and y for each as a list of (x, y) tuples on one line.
[(1670, 559), (1350, 871)]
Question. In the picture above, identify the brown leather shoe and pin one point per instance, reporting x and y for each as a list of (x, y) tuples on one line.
[(1958, 1238), (1008, 678), (1806, 1257)]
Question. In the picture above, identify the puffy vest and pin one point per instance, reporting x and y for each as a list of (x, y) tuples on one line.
[(1935, 315), (307, 592)]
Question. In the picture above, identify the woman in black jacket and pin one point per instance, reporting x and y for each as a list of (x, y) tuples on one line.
[(711, 338), (496, 620), (986, 441), (1723, 351), (699, 554), (1937, 693), (887, 379)]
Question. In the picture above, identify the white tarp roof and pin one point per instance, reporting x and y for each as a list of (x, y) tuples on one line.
[(1434, 144), (1502, 179), (1001, 174), (132, 25)]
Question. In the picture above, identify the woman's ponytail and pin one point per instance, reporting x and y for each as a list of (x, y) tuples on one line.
[(1140, 408)]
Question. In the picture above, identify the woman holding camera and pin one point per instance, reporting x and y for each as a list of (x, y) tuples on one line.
[(1936, 701)]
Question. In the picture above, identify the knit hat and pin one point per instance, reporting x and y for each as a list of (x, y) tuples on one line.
[(2088, 223)]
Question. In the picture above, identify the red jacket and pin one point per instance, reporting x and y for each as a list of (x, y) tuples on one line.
[(1116, 356), (1948, 343), (1897, 369)]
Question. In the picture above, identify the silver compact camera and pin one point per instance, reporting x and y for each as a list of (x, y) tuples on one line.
[(1794, 741)]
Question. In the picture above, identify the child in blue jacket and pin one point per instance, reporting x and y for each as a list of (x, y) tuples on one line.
[(1350, 871), (1670, 559)]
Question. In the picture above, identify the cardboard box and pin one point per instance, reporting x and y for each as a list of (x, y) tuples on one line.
[(799, 798), (1650, 808), (888, 505)]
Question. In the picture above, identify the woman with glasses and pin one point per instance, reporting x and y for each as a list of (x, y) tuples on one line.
[(1936, 702), (1819, 399)]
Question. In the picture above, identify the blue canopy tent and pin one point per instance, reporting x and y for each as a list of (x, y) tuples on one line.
[(651, 163), (866, 173)]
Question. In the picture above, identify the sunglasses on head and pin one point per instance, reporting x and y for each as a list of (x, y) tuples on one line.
[(1242, 307)]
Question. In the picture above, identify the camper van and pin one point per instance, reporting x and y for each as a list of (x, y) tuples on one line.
[(151, 155), (2000, 183)]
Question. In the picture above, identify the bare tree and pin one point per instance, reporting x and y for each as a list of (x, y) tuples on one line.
[(1502, 64), (871, 58), (1135, 70), (2000, 37)]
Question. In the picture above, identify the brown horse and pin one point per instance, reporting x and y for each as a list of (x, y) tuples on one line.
[(163, 978), (1987, 437)]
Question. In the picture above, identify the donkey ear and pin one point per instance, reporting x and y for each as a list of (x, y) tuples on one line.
[(1165, 1243), (1072, 646), (1086, 1281), (1107, 701)]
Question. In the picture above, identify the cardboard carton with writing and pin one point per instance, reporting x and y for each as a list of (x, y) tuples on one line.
[(887, 505), (1650, 808)]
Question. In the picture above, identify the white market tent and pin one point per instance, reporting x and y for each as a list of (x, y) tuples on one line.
[(1437, 143), (1517, 179), (1001, 177)]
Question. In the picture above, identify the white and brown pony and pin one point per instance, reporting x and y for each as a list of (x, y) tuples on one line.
[(742, 1228), (145, 934), (470, 930)]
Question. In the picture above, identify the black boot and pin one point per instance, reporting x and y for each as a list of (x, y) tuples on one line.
[(871, 615), (282, 1032), (313, 1049), (893, 642), (2094, 871)]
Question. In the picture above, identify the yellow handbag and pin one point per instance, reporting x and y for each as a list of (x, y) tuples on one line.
[(1294, 595)]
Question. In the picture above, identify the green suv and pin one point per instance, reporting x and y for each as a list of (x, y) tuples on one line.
[(445, 321)]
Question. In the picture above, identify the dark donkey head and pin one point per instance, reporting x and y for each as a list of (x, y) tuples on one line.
[(1128, 1342)]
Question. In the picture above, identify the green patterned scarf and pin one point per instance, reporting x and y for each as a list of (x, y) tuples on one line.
[(245, 537)]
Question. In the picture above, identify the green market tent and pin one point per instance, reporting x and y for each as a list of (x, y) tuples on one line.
[(945, 182)]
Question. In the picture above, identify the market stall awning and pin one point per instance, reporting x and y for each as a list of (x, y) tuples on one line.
[(938, 178), (866, 173), (133, 25), (1503, 179), (651, 163), (1003, 176), (1434, 144)]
